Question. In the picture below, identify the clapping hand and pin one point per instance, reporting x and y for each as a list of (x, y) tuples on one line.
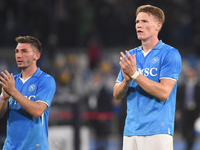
[(8, 83)]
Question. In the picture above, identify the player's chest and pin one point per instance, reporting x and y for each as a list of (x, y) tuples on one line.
[(151, 61), (28, 90)]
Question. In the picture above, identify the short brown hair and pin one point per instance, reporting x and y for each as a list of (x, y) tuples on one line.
[(29, 39), (153, 10)]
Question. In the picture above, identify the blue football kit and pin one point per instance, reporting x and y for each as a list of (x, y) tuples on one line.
[(24, 132), (146, 114)]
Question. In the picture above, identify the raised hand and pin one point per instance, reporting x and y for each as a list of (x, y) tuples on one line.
[(5, 94), (128, 64), (7, 82)]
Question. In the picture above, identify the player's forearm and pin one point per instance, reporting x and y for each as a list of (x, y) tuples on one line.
[(3, 107), (28, 105), (120, 89), (159, 90)]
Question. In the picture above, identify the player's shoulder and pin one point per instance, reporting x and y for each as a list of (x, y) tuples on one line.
[(170, 53), (134, 50), (169, 48), (46, 76), (17, 75), (46, 80)]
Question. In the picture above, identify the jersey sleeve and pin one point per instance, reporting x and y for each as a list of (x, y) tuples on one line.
[(46, 90), (120, 76), (171, 65)]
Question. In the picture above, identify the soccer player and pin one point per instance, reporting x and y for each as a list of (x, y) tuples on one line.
[(27, 97), (148, 76)]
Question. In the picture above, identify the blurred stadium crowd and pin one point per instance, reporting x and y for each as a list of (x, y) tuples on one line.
[(82, 40), (73, 23)]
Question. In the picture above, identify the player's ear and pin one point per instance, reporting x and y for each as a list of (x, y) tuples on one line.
[(37, 56), (159, 26)]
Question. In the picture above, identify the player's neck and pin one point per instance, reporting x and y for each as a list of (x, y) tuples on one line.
[(148, 45), (28, 72)]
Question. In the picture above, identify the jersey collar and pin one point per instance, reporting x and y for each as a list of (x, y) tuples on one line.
[(36, 74), (158, 46)]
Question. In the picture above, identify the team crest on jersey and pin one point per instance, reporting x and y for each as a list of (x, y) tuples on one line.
[(155, 60), (11, 100), (31, 87)]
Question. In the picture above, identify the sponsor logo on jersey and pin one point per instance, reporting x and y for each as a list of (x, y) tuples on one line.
[(148, 71), (11, 100), (14, 102)]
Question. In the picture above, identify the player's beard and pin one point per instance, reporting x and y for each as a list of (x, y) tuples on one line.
[(22, 68), (25, 66)]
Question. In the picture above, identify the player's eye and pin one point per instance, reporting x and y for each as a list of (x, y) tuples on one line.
[(144, 21), (24, 51)]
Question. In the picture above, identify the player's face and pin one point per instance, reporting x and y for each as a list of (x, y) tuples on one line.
[(26, 55), (147, 26)]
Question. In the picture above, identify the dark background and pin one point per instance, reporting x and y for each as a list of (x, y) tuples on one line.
[(81, 44)]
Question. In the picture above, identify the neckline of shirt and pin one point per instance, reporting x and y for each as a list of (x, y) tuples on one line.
[(145, 53), (24, 80)]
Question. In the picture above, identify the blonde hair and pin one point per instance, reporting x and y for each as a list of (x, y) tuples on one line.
[(153, 10)]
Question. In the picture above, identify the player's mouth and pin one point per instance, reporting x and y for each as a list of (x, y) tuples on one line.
[(139, 31), (19, 61)]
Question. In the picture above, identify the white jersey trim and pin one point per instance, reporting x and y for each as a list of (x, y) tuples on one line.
[(43, 102), (24, 80), (159, 78), (168, 78)]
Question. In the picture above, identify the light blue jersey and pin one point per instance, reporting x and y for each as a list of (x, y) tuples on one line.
[(24, 132), (146, 114)]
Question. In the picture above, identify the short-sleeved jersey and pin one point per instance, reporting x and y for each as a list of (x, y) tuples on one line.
[(24, 132), (146, 114)]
